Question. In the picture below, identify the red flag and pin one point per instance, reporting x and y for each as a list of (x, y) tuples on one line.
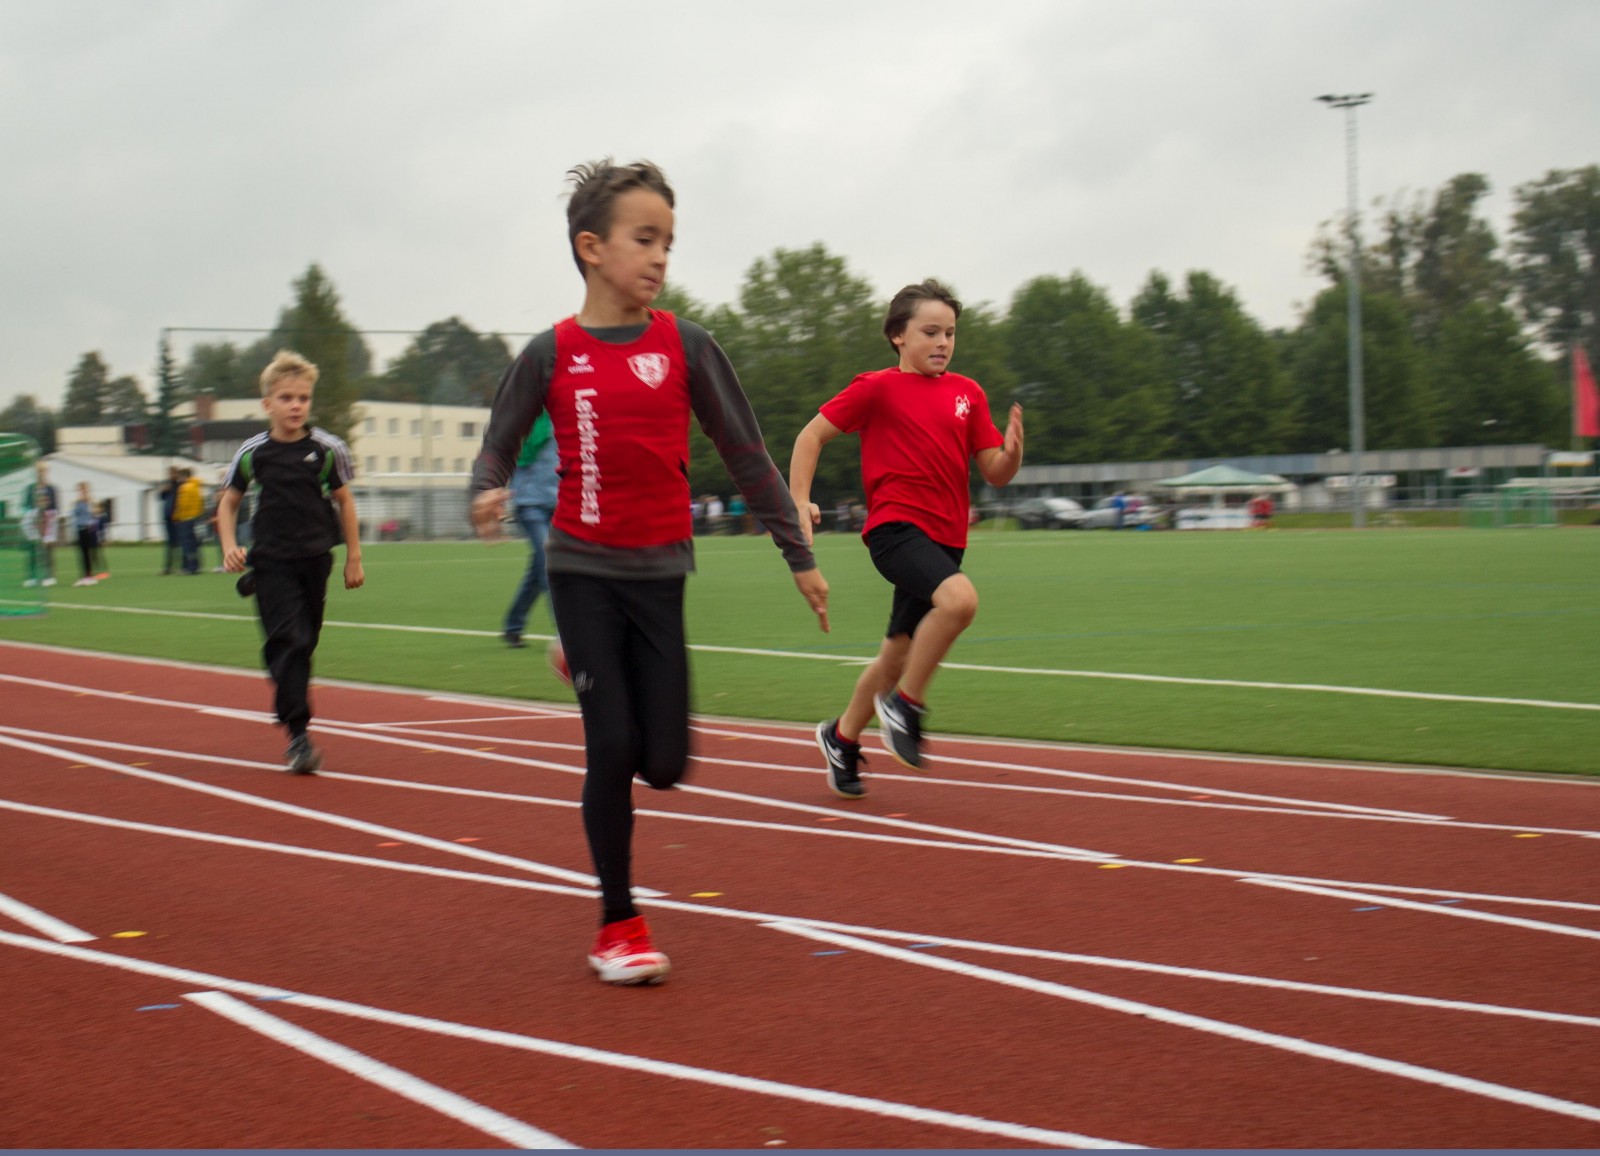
[(1585, 397)]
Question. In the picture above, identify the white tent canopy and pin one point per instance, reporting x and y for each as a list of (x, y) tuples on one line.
[(1218, 481)]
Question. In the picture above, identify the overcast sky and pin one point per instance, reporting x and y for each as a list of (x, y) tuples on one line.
[(179, 162)]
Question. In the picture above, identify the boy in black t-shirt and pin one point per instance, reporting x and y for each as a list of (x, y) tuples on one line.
[(304, 507)]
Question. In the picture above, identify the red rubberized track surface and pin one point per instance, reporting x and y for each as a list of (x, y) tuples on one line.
[(1033, 945)]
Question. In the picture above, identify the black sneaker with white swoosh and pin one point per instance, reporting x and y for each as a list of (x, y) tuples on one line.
[(844, 761)]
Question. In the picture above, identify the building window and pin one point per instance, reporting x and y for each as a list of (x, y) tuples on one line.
[(416, 465), (394, 465), (416, 427), (438, 429), (394, 425), (459, 466), (370, 425), (372, 465), (469, 429), (438, 465)]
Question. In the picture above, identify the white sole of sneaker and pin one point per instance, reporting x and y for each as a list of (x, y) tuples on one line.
[(649, 969), (833, 784)]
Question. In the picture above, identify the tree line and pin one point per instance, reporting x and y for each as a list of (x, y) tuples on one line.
[(1466, 341)]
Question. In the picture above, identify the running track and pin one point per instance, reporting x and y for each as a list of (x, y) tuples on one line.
[(1033, 946)]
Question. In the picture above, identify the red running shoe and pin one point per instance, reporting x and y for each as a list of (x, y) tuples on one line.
[(624, 954)]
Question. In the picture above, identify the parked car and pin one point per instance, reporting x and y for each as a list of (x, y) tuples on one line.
[(1139, 511), (1048, 514)]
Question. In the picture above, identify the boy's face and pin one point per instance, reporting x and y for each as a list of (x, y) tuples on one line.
[(928, 341), (632, 258), (288, 406)]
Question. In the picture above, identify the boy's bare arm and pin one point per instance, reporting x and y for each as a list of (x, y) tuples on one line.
[(354, 574), (803, 469), (999, 464), (228, 530)]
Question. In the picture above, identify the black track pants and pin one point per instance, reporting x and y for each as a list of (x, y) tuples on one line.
[(290, 596)]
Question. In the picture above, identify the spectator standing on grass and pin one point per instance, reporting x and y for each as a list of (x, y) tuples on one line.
[(534, 485), (86, 534), (187, 509), (303, 508), (41, 522), (169, 500), (620, 382), (920, 426)]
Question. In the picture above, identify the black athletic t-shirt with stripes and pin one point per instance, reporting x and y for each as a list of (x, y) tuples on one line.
[(295, 517)]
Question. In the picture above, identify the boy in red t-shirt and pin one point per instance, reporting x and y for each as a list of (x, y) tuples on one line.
[(620, 381), (919, 427)]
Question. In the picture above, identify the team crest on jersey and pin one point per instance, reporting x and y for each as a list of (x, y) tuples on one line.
[(963, 406), (650, 368), (580, 364)]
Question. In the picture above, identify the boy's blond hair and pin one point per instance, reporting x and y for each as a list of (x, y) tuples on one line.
[(287, 363)]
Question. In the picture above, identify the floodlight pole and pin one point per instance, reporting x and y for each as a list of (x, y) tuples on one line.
[(1358, 434)]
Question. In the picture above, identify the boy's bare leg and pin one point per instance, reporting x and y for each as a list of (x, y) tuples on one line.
[(879, 677), (955, 605)]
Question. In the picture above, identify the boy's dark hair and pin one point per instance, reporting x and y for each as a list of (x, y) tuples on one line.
[(595, 189), (905, 303)]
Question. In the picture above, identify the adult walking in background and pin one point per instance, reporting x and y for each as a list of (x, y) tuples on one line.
[(534, 486)]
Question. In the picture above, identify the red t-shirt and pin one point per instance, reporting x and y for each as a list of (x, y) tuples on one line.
[(621, 420), (917, 436)]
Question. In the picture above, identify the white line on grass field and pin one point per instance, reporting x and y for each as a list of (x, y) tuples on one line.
[(1151, 865), (56, 929), (315, 816), (1518, 1096), (464, 1111), (979, 668), (734, 913), (1427, 908), (580, 1053)]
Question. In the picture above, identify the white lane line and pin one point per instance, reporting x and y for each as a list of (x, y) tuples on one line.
[(1124, 780), (578, 1052), (1151, 865), (1518, 1096), (830, 925), (1428, 908), (474, 1115), (735, 796), (327, 817), (977, 668), (57, 929)]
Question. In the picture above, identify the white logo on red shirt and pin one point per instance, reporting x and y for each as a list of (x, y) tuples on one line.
[(650, 368), (580, 364), (963, 406)]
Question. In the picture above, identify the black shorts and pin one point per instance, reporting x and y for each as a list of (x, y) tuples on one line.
[(916, 565)]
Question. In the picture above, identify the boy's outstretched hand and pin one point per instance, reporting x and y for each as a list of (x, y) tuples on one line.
[(488, 511), (814, 587), (1013, 445)]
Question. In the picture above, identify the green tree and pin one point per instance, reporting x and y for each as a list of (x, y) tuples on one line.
[(1223, 386), (124, 402), (1087, 381), (315, 327), (1491, 388), (805, 327), (1396, 410), (164, 432), (26, 416), (1555, 256), (222, 370), (85, 399), (448, 363)]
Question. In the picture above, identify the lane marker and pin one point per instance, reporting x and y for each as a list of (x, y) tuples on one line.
[(714, 820), (552, 710), (579, 1052), (1430, 908), (1518, 1096), (912, 938), (58, 929), (474, 1115), (327, 817)]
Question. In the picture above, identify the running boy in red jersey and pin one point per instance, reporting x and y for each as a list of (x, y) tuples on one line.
[(919, 427), (620, 381)]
